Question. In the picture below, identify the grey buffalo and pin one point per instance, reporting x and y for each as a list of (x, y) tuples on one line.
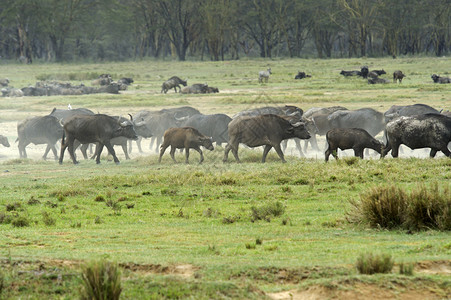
[(185, 138), (408, 110), (264, 75), (197, 88), (215, 126), (39, 130), (350, 73), (97, 128), (287, 110), (172, 83), (365, 118), (265, 130), (420, 131), (350, 138)]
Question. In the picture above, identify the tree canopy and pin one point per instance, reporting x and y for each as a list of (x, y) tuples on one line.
[(71, 30)]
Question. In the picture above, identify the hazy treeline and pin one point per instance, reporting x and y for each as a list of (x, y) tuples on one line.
[(64, 30)]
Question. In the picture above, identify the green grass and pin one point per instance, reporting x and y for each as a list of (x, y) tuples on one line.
[(154, 218)]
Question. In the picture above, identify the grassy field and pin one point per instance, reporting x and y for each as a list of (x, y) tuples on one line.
[(191, 231)]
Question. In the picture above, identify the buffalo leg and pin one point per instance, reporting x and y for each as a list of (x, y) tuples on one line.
[(47, 149), (227, 149), (279, 152), (162, 149), (395, 150), (172, 153), (358, 153), (200, 152), (70, 148), (298, 146), (186, 155), (55, 154), (234, 147), (265, 152), (110, 149), (124, 148), (84, 149)]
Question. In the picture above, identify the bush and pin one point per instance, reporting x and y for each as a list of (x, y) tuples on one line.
[(101, 280), (47, 219), (267, 211), (20, 221), (391, 207), (371, 264), (406, 269)]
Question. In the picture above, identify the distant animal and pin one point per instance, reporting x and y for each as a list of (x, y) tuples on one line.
[(398, 75), (439, 79), (173, 82), (377, 80), (197, 88), (420, 131), (379, 72), (364, 72), (373, 74), (215, 126), (212, 90), (301, 75), (185, 138), (4, 82), (4, 141), (104, 79), (350, 138), (39, 130), (125, 80), (350, 73), (96, 128), (264, 130), (264, 75), (11, 92)]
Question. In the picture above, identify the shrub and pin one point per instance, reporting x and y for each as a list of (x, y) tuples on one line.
[(5, 218), (370, 264), (391, 207), (429, 208), (101, 280), (47, 219), (20, 221), (12, 206), (265, 212)]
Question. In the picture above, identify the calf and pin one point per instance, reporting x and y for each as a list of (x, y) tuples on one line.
[(350, 138), (301, 75), (264, 75), (185, 137), (439, 79), (398, 75)]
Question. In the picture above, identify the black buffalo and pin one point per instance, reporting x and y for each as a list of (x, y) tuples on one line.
[(214, 126), (350, 73), (350, 138), (39, 130), (408, 110), (97, 128), (301, 75), (265, 130), (420, 131), (173, 82), (287, 110), (439, 79), (398, 75)]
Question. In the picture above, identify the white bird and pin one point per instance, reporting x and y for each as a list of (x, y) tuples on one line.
[(69, 107)]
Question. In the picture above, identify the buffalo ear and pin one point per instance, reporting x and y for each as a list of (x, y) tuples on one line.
[(290, 129)]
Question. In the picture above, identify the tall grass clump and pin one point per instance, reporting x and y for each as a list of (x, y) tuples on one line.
[(101, 280), (370, 263), (391, 207), (265, 212), (379, 207)]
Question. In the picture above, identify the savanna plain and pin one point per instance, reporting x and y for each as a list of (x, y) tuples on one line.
[(198, 231)]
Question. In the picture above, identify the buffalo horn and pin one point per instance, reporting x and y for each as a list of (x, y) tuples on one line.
[(298, 124), (131, 118)]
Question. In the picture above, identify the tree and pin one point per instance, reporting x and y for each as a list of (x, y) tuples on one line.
[(181, 23)]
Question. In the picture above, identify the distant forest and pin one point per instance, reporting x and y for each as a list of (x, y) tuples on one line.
[(112, 30)]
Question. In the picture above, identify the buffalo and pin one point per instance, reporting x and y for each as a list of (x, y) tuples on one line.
[(97, 128), (377, 80), (215, 125), (185, 138), (439, 79), (408, 110), (350, 138), (264, 130), (398, 75), (197, 88), (39, 130), (420, 131), (173, 82), (350, 73), (287, 110), (365, 118), (301, 75)]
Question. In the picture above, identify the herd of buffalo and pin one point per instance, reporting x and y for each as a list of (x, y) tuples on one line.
[(416, 126)]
